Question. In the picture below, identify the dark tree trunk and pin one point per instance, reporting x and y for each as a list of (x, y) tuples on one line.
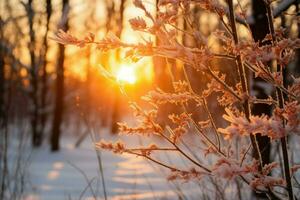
[(58, 112), (33, 76), (117, 102), (59, 98), (2, 83), (2, 116), (259, 87), (297, 54), (115, 112), (44, 84)]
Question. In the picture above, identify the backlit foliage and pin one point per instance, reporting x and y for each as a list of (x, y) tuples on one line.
[(229, 162)]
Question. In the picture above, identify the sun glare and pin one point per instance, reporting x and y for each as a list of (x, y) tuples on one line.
[(126, 74)]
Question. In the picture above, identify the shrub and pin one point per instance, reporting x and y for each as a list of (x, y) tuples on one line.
[(230, 146)]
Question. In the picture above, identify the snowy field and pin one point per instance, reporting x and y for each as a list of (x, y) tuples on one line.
[(73, 173)]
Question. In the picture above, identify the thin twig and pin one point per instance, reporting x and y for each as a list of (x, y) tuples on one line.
[(227, 87), (196, 125), (85, 177), (212, 123)]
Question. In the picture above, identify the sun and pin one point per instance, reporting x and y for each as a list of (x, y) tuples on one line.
[(126, 74)]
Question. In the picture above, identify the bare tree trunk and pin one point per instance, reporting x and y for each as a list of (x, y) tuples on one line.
[(33, 76), (2, 115), (260, 87), (2, 83), (297, 54), (44, 85), (116, 106), (59, 98)]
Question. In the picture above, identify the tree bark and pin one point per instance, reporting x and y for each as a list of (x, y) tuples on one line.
[(297, 54), (2, 78), (259, 87), (2, 117), (59, 98), (33, 75), (44, 84), (117, 102)]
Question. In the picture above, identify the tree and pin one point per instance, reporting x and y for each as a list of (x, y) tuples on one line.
[(116, 106), (3, 135), (260, 87), (297, 63), (44, 81), (33, 93), (59, 97), (2, 78)]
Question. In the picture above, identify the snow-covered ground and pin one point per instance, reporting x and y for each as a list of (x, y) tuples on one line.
[(73, 173)]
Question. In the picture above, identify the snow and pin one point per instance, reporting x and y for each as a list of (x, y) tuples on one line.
[(61, 175), (68, 173)]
